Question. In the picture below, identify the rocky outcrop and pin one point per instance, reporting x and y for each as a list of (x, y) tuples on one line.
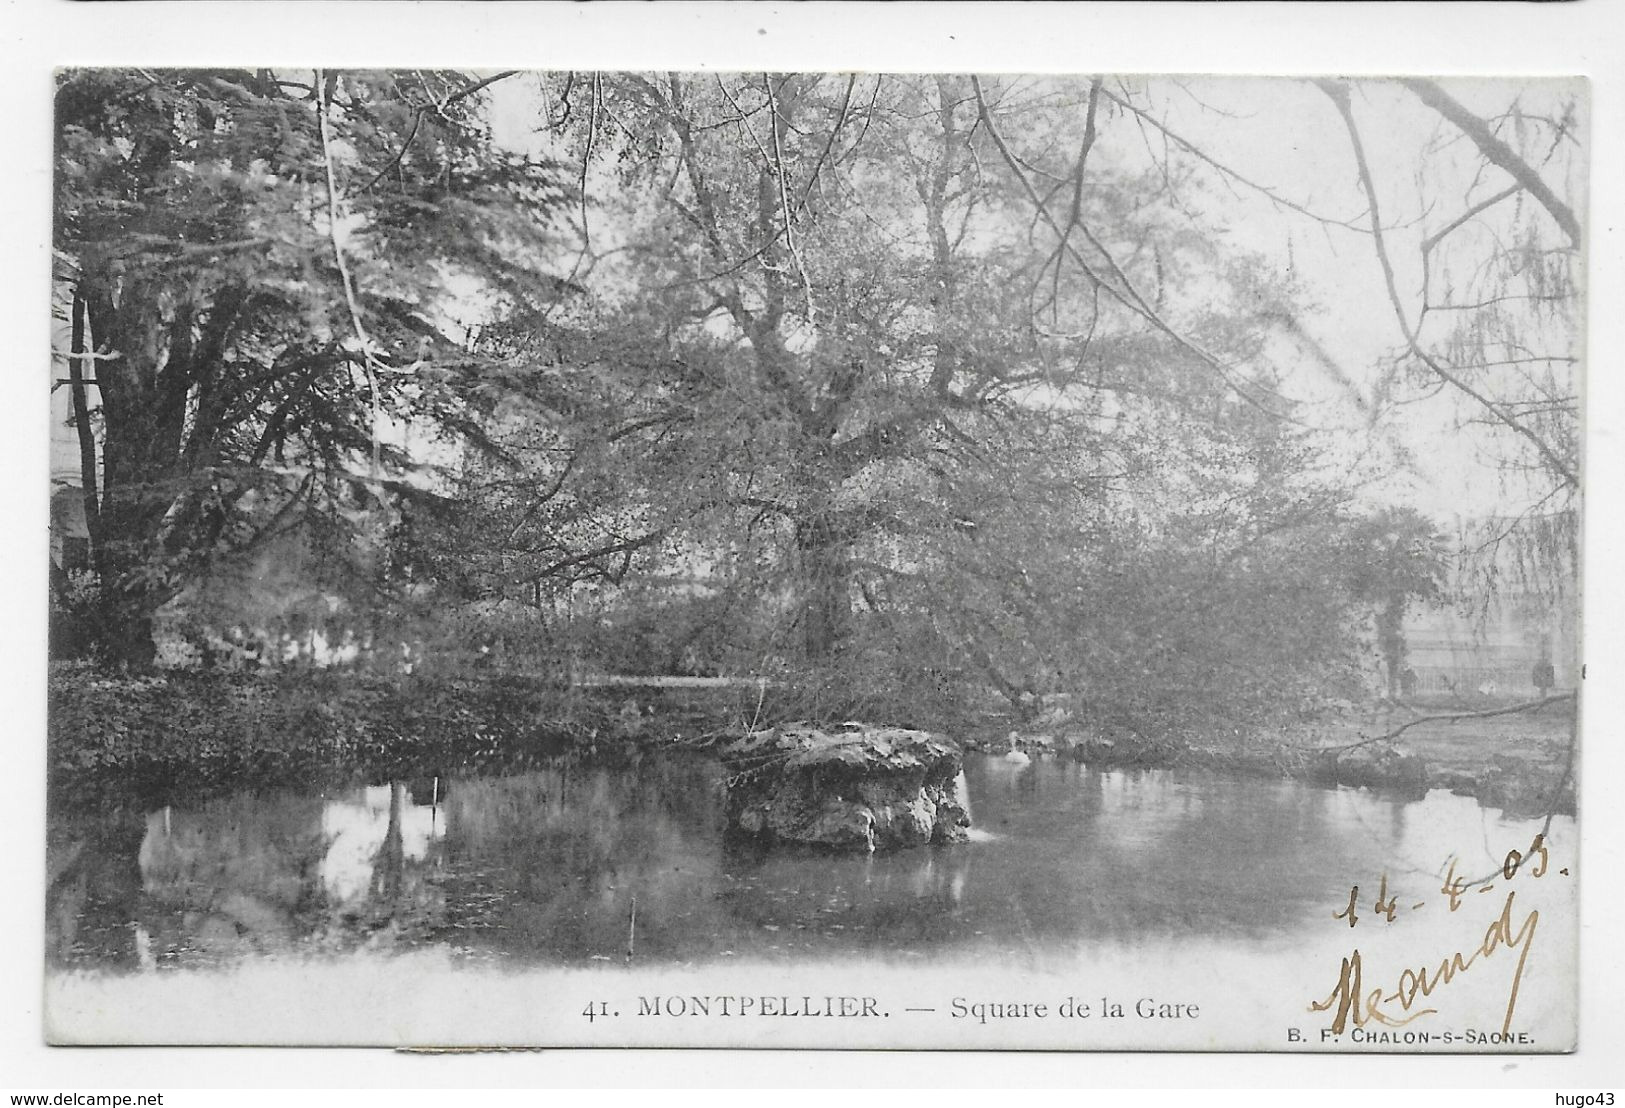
[(857, 788), (1520, 787), (1376, 766)]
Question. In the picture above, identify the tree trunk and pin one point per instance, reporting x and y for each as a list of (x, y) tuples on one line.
[(88, 478), (142, 420), (1391, 639), (825, 604)]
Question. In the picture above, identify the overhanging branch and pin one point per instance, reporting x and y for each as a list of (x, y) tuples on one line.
[(1339, 96), (1498, 152)]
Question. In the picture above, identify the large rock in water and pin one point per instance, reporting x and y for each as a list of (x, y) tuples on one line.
[(856, 788)]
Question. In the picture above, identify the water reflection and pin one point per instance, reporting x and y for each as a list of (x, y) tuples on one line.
[(371, 838), (576, 863)]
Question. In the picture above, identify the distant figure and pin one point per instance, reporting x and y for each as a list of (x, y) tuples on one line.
[(256, 650), (1014, 756), (482, 660), (1407, 682), (1544, 676)]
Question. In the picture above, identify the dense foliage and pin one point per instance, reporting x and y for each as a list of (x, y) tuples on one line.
[(256, 267), (927, 396)]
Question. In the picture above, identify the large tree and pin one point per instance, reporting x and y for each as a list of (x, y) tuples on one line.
[(932, 376), (262, 268), (842, 281)]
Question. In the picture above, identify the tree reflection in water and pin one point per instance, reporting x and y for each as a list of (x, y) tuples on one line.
[(543, 866), (371, 838)]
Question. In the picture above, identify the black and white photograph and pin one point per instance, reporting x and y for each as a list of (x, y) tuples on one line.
[(815, 559)]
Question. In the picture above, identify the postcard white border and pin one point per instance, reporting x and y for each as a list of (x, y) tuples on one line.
[(1489, 39)]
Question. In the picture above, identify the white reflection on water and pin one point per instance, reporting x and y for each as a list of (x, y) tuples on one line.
[(365, 827)]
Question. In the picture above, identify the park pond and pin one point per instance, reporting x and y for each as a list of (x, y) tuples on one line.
[(573, 863)]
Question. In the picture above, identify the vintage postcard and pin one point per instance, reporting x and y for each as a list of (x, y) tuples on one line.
[(815, 559)]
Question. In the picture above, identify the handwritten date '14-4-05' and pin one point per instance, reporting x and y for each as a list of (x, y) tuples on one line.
[(1350, 1002)]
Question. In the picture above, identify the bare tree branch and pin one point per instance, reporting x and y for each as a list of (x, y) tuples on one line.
[(1495, 150), (1127, 295), (1449, 228), (1190, 147), (1452, 717), (1339, 96)]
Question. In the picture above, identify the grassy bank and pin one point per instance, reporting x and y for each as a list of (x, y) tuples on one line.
[(1522, 761), (181, 732)]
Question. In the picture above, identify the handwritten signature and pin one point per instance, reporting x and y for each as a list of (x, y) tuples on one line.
[(1352, 1002)]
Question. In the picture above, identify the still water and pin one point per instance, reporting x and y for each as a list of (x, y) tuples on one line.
[(573, 864)]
